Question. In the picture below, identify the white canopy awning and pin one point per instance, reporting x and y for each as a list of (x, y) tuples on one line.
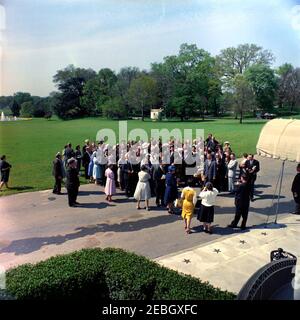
[(280, 139)]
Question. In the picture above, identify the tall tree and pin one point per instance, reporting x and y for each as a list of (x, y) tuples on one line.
[(114, 108), (233, 61), (142, 94), (124, 78), (98, 90), (263, 81), (27, 109), (242, 95), (21, 97), (185, 81), (293, 88), (283, 85), (70, 82)]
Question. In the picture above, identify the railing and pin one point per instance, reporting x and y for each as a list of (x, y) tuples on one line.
[(270, 278)]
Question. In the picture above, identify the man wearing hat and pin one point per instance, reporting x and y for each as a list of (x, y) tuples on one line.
[(72, 183), (57, 172)]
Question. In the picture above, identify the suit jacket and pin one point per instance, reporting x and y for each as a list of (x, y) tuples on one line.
[(72, 178), (210, 170), (255, 164), (57, 168), (296, 188), (242, 196), (158, 172), (125, 167), (69, 153)]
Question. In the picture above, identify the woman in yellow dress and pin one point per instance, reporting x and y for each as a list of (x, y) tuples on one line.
[(189, 199)]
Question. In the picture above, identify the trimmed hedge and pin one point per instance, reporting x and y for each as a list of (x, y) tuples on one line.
[(114, 274)]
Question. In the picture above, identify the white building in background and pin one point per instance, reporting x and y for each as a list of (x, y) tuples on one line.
[(156, 114)]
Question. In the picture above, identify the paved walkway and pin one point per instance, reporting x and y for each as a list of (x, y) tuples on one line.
[(229, 262), (37, 225)]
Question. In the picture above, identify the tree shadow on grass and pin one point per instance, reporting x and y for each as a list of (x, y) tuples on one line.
[(29, 245)]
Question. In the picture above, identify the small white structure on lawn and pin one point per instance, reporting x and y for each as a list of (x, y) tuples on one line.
[(156, 114), (2, 116)]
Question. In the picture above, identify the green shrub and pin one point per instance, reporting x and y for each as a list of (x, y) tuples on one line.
[(110, 273)]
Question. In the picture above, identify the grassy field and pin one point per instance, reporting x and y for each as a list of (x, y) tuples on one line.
[(30, 146)]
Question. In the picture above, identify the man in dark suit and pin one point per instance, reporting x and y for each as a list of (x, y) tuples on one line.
[(159, 183), (86, 161), (296, 190), (252, 168), (126, 172), (57, 172), (72, 183), (210, 169), (242, 203), (69, 152)]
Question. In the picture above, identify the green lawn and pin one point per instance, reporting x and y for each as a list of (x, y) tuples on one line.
[(30, 146)]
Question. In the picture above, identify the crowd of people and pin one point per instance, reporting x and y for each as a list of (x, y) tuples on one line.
[(143, 170)]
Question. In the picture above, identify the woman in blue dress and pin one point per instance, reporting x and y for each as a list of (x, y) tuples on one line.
[(171, 192), (91, 166)]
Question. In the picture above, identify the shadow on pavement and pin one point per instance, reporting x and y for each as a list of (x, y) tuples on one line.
[(88, 193), (97, 205), (25, 246)]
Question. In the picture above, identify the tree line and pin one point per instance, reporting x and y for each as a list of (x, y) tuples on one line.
[(192, 83)]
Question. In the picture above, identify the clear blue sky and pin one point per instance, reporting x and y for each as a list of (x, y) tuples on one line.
[(42, 36)]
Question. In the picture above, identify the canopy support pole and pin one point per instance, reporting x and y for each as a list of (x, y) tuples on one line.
[(279, 193)]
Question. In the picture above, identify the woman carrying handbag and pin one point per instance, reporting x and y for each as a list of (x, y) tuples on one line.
[(189, 199)]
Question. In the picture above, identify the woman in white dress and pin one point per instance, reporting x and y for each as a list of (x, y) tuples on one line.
[(143, 191)]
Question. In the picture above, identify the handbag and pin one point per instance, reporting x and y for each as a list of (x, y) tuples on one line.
[(178, 203)]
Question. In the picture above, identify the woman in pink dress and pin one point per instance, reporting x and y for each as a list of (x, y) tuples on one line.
[(110, 186)]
